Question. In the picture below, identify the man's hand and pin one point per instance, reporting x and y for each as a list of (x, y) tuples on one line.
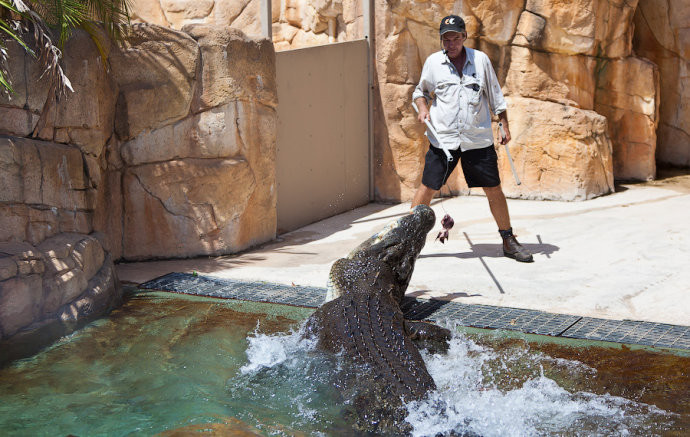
[(503, 119), (506, 139), (423, 114)]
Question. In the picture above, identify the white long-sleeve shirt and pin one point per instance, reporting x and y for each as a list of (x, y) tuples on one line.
[(460, 105)]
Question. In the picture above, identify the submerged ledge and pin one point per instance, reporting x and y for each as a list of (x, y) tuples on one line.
[(657, 335)]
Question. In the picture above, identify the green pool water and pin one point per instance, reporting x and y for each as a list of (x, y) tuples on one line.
[(172, 364)]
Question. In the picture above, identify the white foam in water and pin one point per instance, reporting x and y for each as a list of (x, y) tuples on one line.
[(267, 350), (471, 396), (464, 402)]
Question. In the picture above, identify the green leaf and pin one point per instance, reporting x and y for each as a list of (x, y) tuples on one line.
[(5, 84), (4, 27)]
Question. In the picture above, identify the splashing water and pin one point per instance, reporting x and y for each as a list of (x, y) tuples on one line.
[(480, 390), (269, 350), (490, 393), (193, 362)]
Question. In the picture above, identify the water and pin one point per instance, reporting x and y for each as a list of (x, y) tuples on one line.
[(167, 364)]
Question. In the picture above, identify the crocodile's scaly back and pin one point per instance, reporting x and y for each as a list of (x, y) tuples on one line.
[(363, 317)]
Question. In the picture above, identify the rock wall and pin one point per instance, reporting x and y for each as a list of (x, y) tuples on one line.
[(296, 23), (625, 62), (662, 35), (573, 88), (172, 154)]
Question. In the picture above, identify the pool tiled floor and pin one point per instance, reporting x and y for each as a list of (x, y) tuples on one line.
[(477, 316)]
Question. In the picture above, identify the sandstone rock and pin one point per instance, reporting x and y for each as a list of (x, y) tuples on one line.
[(661, 35), (17, 121), (627, 94), (225, 12), (317, 13), (569, 29), (424, 11), (39, 172), (16, 71), (155, 73), (258, 129), (352, 11), (407, 145), (614, 27), (403, 62), (247, 21), (61, 288), (564, 79), (591, 27), (148, 11), (8, 267), (283, 33), (497, 19), (108, 213), (427, 41), (21, 299), (235, 67), (195, 200), (209, 134), (530, 30), (308, 39), (30, 91), (102, 293), (180, 12), (86, 114), (565, 155)]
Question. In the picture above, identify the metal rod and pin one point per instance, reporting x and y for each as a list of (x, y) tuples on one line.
[(266, 19), (510, 158), (434, 134), (368, 30)]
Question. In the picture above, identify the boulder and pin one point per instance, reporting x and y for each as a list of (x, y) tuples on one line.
[(185, 207), (47, 190), (235, 67), (627, 95), (21, 299), (52, 292), (155, 73), (225, 12), (589, 27), (565, 79), (565, 156), (662, 35), (21, 110), (85, 117), (38, 284), (209, 134), (496, 20), (181, 12), (148, 11)]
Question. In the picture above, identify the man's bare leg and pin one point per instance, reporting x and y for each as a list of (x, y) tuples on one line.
[(498, 206), (423, 196)]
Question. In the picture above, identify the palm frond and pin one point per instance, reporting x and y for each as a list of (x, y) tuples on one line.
[(98, 37), (113, 13), (52, 23)]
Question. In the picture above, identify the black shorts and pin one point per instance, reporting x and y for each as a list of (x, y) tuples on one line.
[(480, 167)]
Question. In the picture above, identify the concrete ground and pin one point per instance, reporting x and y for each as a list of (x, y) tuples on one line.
[(621, 256)]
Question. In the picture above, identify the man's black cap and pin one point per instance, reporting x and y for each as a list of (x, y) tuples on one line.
[(452, 23)]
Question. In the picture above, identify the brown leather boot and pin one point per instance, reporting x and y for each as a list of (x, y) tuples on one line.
[(515, 250)]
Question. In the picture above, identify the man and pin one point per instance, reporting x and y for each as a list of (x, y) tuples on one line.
[(462, 87)]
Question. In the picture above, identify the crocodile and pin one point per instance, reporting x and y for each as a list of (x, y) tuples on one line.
[(362, 320)]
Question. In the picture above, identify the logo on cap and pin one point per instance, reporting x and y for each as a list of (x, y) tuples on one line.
[(450, 20)]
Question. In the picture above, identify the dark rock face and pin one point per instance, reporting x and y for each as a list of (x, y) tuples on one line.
[(364, 322)]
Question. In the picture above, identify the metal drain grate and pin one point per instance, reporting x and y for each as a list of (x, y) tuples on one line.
[(478, 316)]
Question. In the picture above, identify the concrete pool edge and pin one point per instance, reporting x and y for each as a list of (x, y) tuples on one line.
[(649, 334)]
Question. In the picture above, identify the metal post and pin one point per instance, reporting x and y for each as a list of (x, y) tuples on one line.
[(368, 32), (266, 19)]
